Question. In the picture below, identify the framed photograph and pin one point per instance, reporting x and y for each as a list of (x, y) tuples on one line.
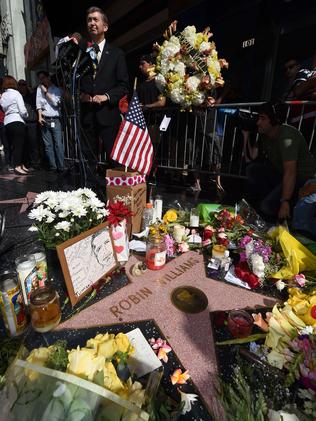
[(86, 259)]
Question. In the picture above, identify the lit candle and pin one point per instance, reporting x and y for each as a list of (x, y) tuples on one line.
[(218, 251), (194, 218)]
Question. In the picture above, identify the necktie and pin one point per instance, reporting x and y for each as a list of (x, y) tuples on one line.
[(97, 51)]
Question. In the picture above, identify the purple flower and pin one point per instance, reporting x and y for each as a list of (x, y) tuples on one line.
[(169, 245), (244, 241)]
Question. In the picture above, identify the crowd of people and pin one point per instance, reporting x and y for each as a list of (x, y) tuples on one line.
[(278, 166)]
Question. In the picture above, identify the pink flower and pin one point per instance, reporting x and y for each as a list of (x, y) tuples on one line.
[(162, 347), (222, 235), (221, 229), (183, 247), (163, 351), (300, 279)]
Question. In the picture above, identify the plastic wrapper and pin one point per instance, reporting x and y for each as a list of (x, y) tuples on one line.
[(250, 216), (34, 393), (298, 257)]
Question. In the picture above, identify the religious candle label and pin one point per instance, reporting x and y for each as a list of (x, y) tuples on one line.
[(160, 258), (29, 283)]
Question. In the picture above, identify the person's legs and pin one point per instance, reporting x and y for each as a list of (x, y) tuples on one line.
[(32, 143), (58, 145), (262, 178), (16, 136), (6, 146), (271, 203), (304, 215), (49, 146)]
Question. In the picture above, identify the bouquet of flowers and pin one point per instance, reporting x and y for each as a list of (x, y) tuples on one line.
[(188, 68), (258, 260), (225, 228), (59, 216), (90, 383)]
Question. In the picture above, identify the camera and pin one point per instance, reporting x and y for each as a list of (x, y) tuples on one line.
[(246, 120)]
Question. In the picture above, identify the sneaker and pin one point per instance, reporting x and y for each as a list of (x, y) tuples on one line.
[(9, 168)]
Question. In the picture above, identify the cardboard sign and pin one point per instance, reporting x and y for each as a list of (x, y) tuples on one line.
[(134, 197), (85, 259)]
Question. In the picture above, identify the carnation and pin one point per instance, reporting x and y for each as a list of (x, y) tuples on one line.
[(59, 216)]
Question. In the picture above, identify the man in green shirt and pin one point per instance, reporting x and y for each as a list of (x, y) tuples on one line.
[(289, 163)]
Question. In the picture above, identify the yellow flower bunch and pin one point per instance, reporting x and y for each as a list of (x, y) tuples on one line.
[(158, 230), (88, 361), (302, 305)]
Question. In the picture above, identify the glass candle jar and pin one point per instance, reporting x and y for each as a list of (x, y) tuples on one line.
[(41, 266), (156, 253), (194, 218), (45, 309), (178, 233), (27, 273), (239, 323)]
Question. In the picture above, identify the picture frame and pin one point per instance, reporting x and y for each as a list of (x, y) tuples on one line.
[(85, 259)]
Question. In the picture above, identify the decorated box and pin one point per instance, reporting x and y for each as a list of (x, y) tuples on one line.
[(130, 188)]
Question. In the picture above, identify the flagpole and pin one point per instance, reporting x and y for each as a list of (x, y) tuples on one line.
[(135, 86)]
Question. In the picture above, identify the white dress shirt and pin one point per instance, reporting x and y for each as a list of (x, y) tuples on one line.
[(13, 106), (49, 106), (101, 46)]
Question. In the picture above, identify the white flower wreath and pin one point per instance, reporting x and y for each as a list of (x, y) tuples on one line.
[(188, 69)]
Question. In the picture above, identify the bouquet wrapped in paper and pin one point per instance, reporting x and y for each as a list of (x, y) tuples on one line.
[(54, 384)]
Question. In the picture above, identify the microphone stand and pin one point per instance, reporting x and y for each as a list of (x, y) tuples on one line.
[(75, 91)]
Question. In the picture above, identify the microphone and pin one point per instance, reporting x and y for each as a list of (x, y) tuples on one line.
[(72, 44)]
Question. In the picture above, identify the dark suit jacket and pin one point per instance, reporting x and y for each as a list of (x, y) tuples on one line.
[(112, 79)]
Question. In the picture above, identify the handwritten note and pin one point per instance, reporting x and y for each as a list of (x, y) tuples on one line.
[(144, 360), (89, 259)]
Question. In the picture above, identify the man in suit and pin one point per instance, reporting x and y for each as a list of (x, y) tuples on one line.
[(102, 89)]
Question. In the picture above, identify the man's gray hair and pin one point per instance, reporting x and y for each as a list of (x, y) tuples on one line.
[(94, 9)]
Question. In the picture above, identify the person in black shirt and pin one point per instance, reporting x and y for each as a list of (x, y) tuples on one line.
[(32, 134), (148, 93)]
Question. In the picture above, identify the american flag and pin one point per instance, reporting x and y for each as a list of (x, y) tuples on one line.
[(133, 147)]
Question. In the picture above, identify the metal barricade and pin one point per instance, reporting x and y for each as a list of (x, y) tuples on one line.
[(211, 140)]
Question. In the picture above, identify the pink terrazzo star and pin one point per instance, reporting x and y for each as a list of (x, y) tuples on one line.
[(189, 335)]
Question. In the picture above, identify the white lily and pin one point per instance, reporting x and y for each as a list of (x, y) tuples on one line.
[(187, 399)]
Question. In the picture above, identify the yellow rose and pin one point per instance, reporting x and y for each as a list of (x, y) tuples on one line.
[(111, 380), (170, 216), (123, 343), (98, 339), (84, 363), (38, 356), (108, 348)]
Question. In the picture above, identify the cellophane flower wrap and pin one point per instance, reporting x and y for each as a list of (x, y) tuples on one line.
[(188, 68), (54, 384), (59, 216)]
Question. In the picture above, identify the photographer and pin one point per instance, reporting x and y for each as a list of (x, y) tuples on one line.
[(288, 164)]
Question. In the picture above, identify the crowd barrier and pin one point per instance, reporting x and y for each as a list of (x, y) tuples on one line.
[(211, 140)]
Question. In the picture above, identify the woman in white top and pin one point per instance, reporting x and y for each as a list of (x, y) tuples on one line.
[(14, 113)]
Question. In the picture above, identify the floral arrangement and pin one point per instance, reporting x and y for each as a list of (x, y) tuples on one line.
[(258, 261), (117, 212), (188, 68), (59, 216), (65, 390), (287, 356)]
